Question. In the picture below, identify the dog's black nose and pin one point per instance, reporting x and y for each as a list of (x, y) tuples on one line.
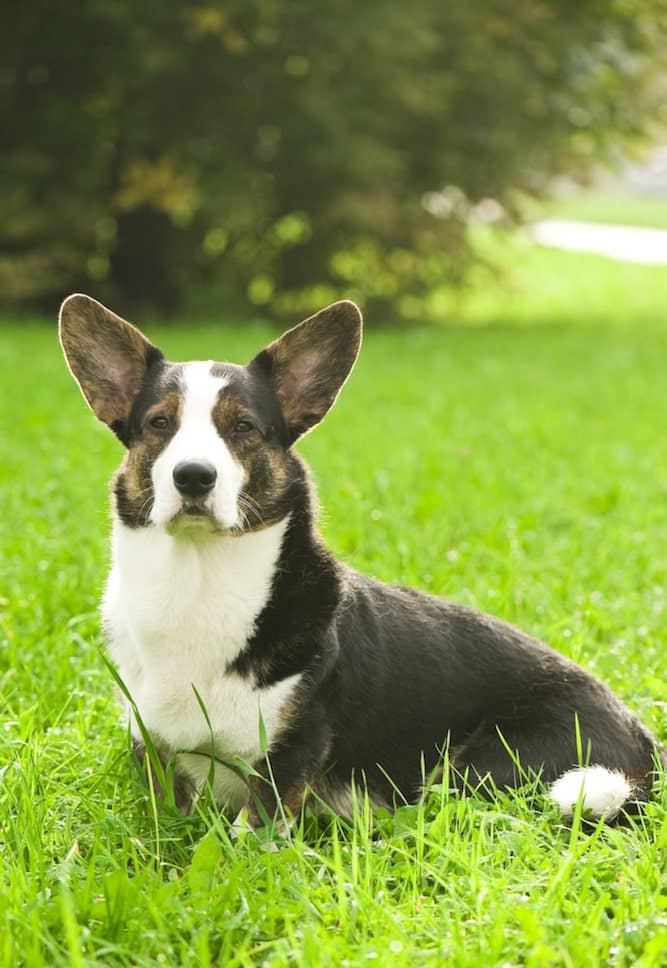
[(194, 478)]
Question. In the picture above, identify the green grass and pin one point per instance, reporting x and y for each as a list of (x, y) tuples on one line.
[(522, 469), (616, 206), (549, 287)]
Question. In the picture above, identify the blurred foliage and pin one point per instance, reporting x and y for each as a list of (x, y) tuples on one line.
[(271, 155)]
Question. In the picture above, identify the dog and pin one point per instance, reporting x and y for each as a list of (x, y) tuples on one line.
[(259, 664)]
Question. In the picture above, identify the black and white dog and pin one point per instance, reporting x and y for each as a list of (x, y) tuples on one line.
[(241, 639)]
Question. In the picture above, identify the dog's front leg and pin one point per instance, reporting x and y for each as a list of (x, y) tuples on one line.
[(282, 776), (183, 789)]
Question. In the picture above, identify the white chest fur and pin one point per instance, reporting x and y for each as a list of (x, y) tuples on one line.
[(177, 611)]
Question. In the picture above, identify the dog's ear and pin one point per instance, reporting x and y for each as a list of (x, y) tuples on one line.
[(309, 364), (108, 358)]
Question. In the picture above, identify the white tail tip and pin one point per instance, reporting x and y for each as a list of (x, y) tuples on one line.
[(603, 792)]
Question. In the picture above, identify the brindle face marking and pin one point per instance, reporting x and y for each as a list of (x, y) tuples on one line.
[(238, 421), (248, 418), (133, 485)]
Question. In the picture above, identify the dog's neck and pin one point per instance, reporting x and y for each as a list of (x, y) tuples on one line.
[(306, 592), (213, 585)]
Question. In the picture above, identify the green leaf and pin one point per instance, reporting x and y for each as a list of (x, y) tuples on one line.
[(206, 861)]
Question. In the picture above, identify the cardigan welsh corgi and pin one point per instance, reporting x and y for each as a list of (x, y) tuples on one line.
[(256, 661)]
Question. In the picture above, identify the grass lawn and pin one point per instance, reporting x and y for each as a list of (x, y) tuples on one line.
[(618, 206), (519, 468)]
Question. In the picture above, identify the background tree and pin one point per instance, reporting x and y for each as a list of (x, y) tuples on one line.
[(272, 154)]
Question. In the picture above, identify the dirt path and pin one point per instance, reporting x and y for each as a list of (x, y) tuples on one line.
[(624, 242)]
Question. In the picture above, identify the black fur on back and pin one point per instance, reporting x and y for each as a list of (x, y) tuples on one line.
[(395, 676)]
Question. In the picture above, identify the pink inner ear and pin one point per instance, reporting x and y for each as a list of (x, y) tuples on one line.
[(304, 369), (302, 388), (115, 390), (126, 378)]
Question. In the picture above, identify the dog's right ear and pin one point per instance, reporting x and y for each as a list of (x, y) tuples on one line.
[(108, 357), (308, 365)]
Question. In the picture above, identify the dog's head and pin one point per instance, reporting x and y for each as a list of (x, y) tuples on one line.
[(208, 444)]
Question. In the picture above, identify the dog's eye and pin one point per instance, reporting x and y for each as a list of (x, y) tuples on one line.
[(243, 427), (159, 422)]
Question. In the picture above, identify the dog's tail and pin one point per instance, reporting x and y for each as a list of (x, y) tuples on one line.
[(602, 792)]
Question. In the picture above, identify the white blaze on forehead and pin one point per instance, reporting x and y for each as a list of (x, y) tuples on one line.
[(200, 392), (197, 439)]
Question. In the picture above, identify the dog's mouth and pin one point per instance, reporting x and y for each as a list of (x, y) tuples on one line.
[(194, 516), (195, 511)]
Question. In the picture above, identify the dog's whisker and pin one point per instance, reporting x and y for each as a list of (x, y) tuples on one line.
[(245, 500)]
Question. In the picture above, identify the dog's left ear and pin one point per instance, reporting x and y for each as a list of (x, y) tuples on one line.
[(309, 364), (108, 358)]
